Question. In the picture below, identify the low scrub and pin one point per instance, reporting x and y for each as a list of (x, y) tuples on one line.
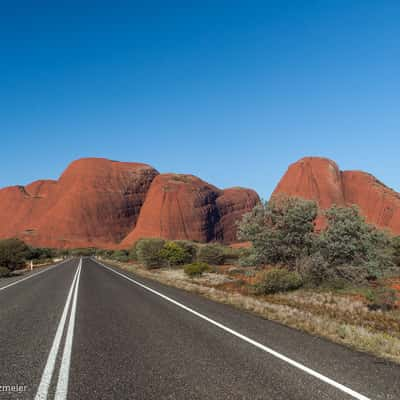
[(196, 269), (175, 253), (278, 280), (13, 253), (190, 249), (213, 254), (4, 272), (120, 255), (148, 252), (382, 298)]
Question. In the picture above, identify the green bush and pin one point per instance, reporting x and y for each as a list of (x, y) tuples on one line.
[(396, 250), (281, 230), (148, 252), (211, 254), (314, 269), (83, 252), (104, 253), (120, 255), (354, 250), (190, 249), (41, 253), (4, 272), (174, 254), (196, 269), (279, 280), (132, 254), (13, 253)]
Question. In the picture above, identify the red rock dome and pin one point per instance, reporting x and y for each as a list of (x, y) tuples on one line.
[(321, 180)]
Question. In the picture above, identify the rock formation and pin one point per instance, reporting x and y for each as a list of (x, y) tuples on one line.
[(103, 203), (185, 207), (321, 180), (96, 202)]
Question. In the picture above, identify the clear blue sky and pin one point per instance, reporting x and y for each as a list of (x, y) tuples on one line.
[(232, 91)]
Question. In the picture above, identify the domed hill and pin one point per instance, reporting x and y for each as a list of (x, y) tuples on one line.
[(313, 178), (321, 180), (21, 207), (380, 205), (232, 204), (95, 202), (185, 207)]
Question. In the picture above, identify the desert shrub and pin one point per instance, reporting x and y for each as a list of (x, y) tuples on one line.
[(196, 269), (211, 254), (132, 253), (83, 252), (355, 250), (13, 253), (232, 255), (174, 254), (396, 250), (148, 252), (190, 249), (41, 253), (248, 258), (381, 298), (120, 255), (104, 253), (314, 269), (281, 230), (64, 253), (4, 272), (279, 280)]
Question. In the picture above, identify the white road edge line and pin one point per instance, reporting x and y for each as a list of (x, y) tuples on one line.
[(33, 275), (48, 371), (63, 376), (274, 353)]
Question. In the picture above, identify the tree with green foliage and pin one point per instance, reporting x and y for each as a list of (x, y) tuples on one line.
[(281, 230), (355, 249), (190, 249), (173, 254), (13, 254), (211, 254), (148, 252), (196, 269)]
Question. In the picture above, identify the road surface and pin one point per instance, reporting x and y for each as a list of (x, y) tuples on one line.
[(82, 330)]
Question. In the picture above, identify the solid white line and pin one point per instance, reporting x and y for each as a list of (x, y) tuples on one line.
[(274, 353), (33, 275), (63, 376), (48, 371)]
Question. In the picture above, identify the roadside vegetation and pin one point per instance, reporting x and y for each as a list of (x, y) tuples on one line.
[(15, 255), (342, 282)]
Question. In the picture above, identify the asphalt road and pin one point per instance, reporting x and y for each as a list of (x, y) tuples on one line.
[(83, 331)]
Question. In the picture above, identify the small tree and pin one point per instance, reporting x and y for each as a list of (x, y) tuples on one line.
[(148, 252), (281, 230), (174, 254), (354, 248), (211, 254), (13, 253), (190, 249)]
